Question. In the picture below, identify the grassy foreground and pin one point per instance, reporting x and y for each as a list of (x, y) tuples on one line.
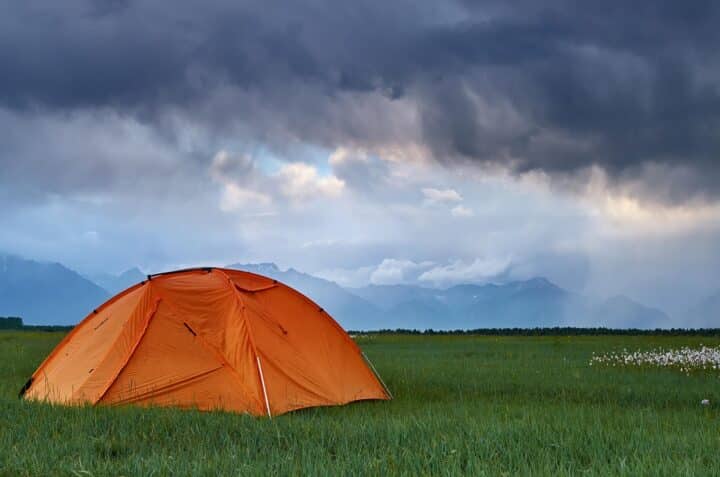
[(463, 405)]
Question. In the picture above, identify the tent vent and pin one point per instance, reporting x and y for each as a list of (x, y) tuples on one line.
[(189, 329)]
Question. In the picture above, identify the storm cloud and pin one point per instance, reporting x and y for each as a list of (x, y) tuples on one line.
[(558, 87)]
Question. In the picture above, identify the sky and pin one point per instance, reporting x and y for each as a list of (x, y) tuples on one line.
[(369, 142)]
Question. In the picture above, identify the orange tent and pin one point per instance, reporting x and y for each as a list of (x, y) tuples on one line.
[(212, 339)]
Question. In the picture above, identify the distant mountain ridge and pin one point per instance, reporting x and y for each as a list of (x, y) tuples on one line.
[(621, 310), (45, 293), (536, 302), (117, 283), (51, 294), (706, 311)]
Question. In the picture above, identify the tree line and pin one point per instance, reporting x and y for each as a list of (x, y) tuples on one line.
[(553, 331), (16, 323)]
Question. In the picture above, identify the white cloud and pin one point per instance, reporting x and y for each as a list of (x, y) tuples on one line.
[(434, 196), (392, 271), (358, 277), (235, 198), (481, 269), (343, 155), (245, 185), (300, 181), (461, 211)]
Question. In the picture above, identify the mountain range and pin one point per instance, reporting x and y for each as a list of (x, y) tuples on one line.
[(46, 293), (50, 293), (530, 303), (705, 311)]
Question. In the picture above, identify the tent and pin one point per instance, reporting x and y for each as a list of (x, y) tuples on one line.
[(208, 338)]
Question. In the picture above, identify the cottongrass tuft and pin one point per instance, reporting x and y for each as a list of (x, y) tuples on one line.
[(684, 359)]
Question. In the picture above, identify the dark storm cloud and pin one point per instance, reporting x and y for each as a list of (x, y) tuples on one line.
[(554, 86)]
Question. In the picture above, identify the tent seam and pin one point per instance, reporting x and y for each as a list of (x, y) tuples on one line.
[(155, 392), (268, 319), (251, 338), (110, 349), (344, 334), (321, 310), (216, 353), (81, 325), (151, 315)]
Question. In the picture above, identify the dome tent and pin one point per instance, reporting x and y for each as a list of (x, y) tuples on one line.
[(207, 338)]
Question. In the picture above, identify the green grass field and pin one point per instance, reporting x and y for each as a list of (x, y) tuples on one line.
[(463, 405)]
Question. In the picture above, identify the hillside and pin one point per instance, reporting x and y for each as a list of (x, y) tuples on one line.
[(706, 312), (45, 293), (530, 303)]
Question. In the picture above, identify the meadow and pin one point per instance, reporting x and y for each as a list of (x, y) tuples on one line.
[(474, 405)]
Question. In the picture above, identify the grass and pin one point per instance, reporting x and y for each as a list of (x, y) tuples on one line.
[(463, 405)]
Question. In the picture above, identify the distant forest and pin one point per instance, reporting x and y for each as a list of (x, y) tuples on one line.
[(16, 323), (554, 331)]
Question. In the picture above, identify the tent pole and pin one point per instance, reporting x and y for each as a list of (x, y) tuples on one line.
[(262, 381), (387, 390)]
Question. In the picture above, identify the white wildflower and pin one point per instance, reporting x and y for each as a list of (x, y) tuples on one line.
[(684, 359)]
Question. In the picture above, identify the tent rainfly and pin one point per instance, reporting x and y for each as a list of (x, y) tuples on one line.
[(208, 338)]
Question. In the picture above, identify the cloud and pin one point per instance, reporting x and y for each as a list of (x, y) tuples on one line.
[(461, 211), (559, 87), (225, 165), (434, 196), (479, 270), (92, 154), (393, 271), (362, 172), (232, 172), (300, 182), (447, 196), (244, 185), (359, 277), (236, 198)]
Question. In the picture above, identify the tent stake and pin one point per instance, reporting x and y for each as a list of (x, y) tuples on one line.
[(262, 381), (387, 390)]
